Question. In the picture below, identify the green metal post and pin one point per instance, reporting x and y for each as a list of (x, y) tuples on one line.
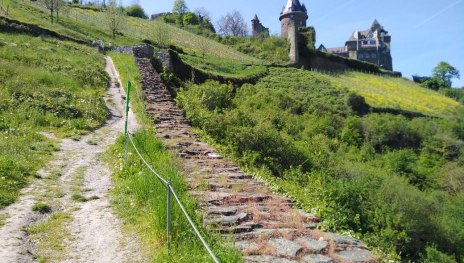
[(127, 119)]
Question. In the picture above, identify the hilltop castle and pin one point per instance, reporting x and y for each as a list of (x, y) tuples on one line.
[(371, 45)]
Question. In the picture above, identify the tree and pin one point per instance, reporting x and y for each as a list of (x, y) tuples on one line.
[(445, 72), (203, 46), (162, 35), (202, 13), (114, 17), (136, 10), (179, 7), (233, 24), (53, 6)]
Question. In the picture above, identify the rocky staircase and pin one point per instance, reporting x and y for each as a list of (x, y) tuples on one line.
[(266, 227)]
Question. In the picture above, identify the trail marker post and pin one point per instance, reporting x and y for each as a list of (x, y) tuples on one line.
[(126, 132)]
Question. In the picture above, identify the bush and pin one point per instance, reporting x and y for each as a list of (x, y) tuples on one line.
[(434, 84), (386, 130), (136, 11)]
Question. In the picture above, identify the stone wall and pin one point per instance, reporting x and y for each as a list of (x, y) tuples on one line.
[(140, 51), (165, 59)]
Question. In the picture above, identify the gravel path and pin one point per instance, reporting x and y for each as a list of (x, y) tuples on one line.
[(94, 231)]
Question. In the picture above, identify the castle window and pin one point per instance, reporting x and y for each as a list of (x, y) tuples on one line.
[(367, 55), (360, 56), (374, 55)]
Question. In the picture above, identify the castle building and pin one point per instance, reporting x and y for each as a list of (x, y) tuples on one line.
[(257, 28), (371, 45), (292, 18)]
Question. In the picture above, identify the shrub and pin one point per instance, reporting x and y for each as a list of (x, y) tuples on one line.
[(136, 11)]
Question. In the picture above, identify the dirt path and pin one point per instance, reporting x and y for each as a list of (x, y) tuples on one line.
[(76, 184), (265, 226)]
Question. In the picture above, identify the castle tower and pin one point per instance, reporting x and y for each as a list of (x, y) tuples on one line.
[(257, 28), (293, 17)]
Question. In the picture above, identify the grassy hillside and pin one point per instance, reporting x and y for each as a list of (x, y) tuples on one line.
[(89, 25), (45, 85), (396, 93), (395, 181)]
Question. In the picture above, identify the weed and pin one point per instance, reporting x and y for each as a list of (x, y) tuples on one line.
[(3, 218), (41, 208), (92, 142), (79, 198)]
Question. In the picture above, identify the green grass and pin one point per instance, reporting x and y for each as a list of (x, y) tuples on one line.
[(50, 236), (224, 67), (41, 208), (397, 93), (45, 85)]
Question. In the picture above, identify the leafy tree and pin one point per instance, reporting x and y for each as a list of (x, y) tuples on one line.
[(233, 24), (179, 7), (136, 11), (114, 17), (445, 72)]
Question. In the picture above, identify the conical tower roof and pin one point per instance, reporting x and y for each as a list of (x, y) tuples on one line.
[(293, 6), (376, 24), (255, 18)]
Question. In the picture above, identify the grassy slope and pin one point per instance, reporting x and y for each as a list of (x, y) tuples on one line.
[(397, 93), (390, 179), (89, 25), (45, 85), (220, 59)]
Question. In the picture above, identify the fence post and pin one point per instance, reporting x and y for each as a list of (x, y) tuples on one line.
[(169, 217), (126, 132)]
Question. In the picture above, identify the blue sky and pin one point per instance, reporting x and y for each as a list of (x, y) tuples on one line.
[(424, 32)]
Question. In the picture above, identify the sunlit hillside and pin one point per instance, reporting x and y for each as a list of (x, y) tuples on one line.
[(397, 93)]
